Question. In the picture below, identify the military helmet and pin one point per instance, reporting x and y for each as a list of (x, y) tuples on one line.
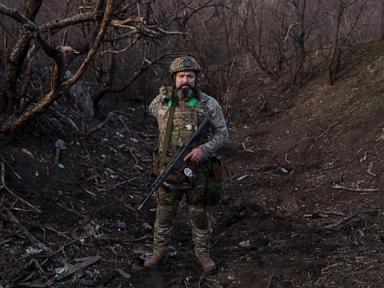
[(185, 63)]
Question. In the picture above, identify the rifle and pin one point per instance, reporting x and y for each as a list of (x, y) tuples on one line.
[(173, 162)]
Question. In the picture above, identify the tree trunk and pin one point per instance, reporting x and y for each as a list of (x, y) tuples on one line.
[(16, 121), (16, 59)]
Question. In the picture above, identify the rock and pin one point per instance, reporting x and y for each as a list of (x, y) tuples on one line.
[(245, 244), (147, 226)]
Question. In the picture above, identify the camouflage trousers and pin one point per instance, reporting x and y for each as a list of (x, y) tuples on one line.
[(167, 204)]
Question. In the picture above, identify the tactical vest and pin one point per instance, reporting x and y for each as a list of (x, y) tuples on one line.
[(184, 124)]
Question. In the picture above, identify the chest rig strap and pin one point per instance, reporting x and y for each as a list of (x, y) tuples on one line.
[(168, 132)]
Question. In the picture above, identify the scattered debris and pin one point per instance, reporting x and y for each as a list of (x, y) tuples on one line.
[(147, 226), (33, 251), (29, 153), (59, 145), (59, 271), (83, 263), (245, 244), (246, 149), (284, 170), (337, 186), (124, 274), (242, 177), (370, 167), (121, 225)]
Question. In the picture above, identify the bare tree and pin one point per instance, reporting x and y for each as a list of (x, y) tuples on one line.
[(263, 39), (381, 20), (102, 12), (344, 30), (119, 26)]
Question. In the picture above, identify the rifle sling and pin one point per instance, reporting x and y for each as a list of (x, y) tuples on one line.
[(168, 133)]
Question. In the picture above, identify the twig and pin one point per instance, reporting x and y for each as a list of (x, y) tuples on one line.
[(2, 175), (337, 186), (38, 265), (121, 183), (101, 125), (329, 212), (327, 130), (369, 170), (32, 238), (331, 266), (123, 273), (10, 167), (4, 186), (342, 221), (72, 211), (68, 120), (246, 149), (64, 245), (133, 155), (22, 200), (58, 232), (5, 242)]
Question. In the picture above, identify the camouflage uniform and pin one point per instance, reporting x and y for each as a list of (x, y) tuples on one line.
[(185, 121)]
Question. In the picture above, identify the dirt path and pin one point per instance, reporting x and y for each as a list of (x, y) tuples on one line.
[(300, 208)]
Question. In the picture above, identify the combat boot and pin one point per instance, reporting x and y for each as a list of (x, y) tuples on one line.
[(153, 261), (207, 263)]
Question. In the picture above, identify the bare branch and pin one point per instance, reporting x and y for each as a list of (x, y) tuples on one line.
[(77, 19), (93, 50), (117, 89), (57, 87)]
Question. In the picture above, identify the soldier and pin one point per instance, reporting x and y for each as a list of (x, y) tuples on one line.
[(179, 110)]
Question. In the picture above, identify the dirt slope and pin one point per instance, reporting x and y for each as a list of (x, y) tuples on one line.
[(316, 167), (303, 205)]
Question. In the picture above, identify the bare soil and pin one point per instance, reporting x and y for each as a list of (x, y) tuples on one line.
[(303, 205)]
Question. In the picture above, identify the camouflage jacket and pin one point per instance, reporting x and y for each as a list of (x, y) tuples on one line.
[(206, 107)]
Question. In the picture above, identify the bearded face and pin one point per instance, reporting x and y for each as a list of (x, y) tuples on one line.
[(185, 83), (184, 92)]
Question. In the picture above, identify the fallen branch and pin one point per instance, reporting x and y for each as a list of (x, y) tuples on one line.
[(56, 231), (10, 167), (121, 183), (327, 130), (5, 242), (123, 273), (246, 149), (4, 186), (14, 220), (101, 125), (369, 170), (341, 187), (64, 246), (85, 262), (342, 221), (72, 211)]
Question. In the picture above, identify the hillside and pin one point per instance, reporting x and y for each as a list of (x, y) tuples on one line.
[(303, 205), (315, 168)]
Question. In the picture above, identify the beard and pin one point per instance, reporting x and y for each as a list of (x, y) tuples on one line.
[(185, 92)]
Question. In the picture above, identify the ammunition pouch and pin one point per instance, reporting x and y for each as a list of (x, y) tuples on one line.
[(177, 176), (214, 181)]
